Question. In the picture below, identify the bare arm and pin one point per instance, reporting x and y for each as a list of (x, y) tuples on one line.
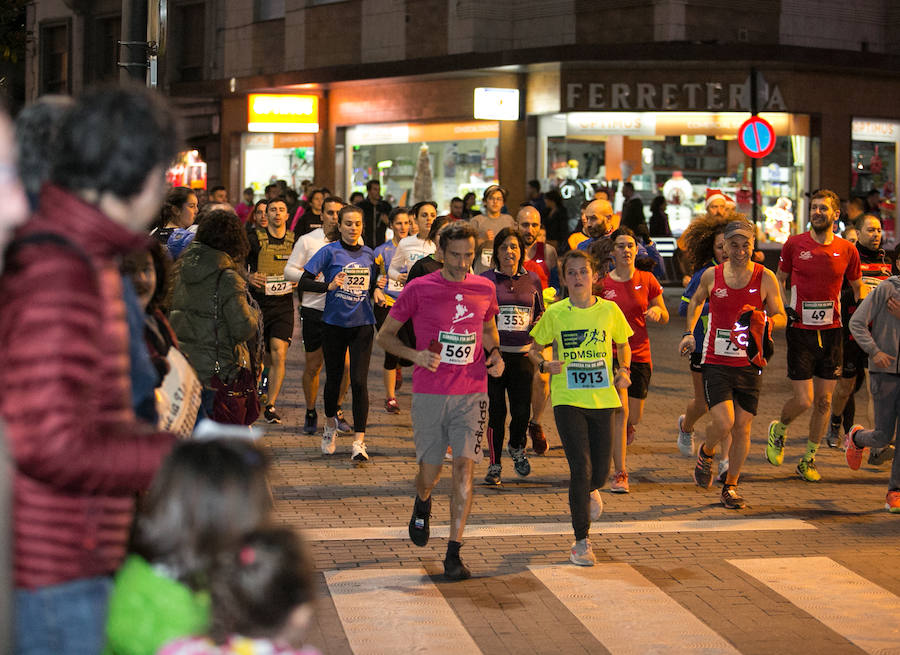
[(657, 312), (387, 338), (784, 279), (860, 290), (490, 339), (623, 375), (694, 309), (772, 299)]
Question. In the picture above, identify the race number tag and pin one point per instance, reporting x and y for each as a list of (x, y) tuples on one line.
[(394, 286), (457, 349), (587, 375), (513, 318), (818, 313), (724, 346), (278, 286), (487, 256), (357, 280)]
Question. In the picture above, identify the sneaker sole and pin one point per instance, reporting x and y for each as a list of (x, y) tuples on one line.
[(619, 490), (360, 458), (578, 562), (892, 510), (274, 421)]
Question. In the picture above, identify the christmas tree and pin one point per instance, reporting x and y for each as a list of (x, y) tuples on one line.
[(422, 182)]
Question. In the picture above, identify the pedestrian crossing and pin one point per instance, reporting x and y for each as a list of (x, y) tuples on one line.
[(391, 610)]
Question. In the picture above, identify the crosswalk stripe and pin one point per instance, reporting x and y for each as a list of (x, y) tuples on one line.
[(538, 529), (860, 611), (396, 611), (627, 613)]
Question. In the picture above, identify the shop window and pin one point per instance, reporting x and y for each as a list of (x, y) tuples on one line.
[(102, 56), (874, 169), (268, 10), (55, 59)]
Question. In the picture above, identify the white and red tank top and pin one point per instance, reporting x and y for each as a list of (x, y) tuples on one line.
[(725, 306)]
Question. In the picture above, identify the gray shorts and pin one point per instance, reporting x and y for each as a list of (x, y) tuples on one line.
[(456, 421)]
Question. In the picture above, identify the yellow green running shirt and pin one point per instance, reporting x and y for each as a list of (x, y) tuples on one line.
[(584, 340)]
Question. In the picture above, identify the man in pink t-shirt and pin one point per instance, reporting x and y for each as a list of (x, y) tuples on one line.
[(453, 319)]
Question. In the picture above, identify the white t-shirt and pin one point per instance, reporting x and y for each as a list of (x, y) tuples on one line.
[(304, 249), (409, 250)]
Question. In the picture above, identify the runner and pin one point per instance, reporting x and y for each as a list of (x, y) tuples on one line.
[(453, 312), (521, 304), (414, 247), (399, 223), (541, 259), (876, 266), (704, 246), (312, 305), (814, 264), (584, 328), (731, 382), (350, 281), (270, 249), (639, 296), (875, 326)]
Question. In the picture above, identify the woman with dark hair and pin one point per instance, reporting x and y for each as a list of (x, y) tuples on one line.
[(557, 224), (659, 220), (520, 299), (432, 262), (211, 313), (639, 296), (308, 216), (468, 203), (415, 247), (179, 211)]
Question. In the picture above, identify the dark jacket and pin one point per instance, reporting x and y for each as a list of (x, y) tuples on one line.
[(80, 454), (192, 316)]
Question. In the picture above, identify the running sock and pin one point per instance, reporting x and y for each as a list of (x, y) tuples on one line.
[(835, 421), (811, 448), (423, 506), (453, 549), (704, 453)]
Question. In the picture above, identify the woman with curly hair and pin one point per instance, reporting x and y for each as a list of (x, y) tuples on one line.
[(211, 314), (704, 246)]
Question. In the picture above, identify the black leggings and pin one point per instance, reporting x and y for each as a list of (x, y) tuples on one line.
[(392, 362), (586, 436), (516, 383), (335, 341)]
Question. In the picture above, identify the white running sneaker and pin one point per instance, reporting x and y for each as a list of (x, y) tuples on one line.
[(722, 471), (596, 505), (582, 554), (685, 440), (359, 452), (329, 438)]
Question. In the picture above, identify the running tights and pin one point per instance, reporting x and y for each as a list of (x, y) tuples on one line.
[(586, 436), (516, 383), (335, 342)]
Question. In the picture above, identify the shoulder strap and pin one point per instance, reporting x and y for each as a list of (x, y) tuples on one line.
[(216, 318)]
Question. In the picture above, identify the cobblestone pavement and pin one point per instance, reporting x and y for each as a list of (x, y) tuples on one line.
[(834, 584)]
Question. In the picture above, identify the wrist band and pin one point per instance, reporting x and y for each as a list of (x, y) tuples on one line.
[(491, 351), (687, 334), (541, 365)]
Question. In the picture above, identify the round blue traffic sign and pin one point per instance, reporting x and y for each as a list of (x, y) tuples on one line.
[(756, 136)]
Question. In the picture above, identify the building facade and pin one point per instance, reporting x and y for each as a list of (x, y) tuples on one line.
[(650, 91)]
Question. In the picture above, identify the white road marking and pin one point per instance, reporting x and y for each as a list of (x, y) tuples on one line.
[(627, 613), (538, 529), (859, 610), (396, 611)]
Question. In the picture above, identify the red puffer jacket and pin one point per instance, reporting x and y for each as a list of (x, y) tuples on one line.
[(80, 454)]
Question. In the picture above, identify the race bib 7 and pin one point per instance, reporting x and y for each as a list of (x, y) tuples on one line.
[(724, 346)]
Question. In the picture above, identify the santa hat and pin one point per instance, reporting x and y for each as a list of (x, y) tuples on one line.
[(715, 194)]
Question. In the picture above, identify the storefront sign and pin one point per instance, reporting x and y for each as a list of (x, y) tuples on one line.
[(369, 135), (595, 123), (756, 137), (646, 96), (267, 112), (496, 104), (674, 123), (884, 131)]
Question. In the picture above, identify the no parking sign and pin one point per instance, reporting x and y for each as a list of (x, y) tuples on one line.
[(756, 136)]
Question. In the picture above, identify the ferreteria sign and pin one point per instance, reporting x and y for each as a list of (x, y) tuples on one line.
[(670, 96)]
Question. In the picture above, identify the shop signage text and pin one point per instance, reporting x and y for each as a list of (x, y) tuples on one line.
[(645, 96), (869, 130), (271, 112)]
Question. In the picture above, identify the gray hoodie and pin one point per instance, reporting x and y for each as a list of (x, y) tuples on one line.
[(884, 333)]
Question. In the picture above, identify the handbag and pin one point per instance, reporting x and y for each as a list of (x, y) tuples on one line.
[(235, 402)]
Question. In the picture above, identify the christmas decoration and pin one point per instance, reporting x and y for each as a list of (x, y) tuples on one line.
[(422, 182)]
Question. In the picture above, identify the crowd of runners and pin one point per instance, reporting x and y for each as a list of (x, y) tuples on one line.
[(495, 314)]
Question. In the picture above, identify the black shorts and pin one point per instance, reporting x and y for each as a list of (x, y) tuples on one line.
[(391, 362), (278, 322), (640, 379), (696, 366), (814, 353), (311, 328), (739, 384), (855, 359)]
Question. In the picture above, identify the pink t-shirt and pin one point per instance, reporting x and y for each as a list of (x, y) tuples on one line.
[(452, 314)]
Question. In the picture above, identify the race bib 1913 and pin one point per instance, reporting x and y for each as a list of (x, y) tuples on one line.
[(587, 375)]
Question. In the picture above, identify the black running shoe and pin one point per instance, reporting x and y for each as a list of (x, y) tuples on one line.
[(454, 569), (419, 530), (311, 422), (271, 415), (731, 499), (703, 469)]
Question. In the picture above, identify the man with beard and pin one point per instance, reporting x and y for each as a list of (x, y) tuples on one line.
[(876, 266), (600, 223), (540, 258), (812, 267)]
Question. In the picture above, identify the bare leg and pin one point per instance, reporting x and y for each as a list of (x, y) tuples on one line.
[(427, 477), (278, 352), (540, 390), (461, 500), (842, 392), (818, 419), (740, 444), (345, 380), (620, 421), (696, 407), (390, 383), (799, 402), (721, 421)]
